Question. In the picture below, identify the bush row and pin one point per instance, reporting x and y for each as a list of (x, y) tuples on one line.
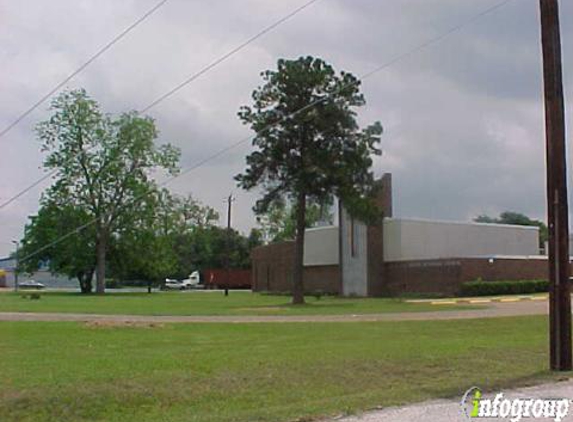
[(492, 288)]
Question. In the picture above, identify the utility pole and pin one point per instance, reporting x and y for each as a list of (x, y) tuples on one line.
[(229, 201), (17, 266), (557, 208)]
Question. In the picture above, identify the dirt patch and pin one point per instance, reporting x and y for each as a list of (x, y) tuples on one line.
[(122, 324), (262, 309)]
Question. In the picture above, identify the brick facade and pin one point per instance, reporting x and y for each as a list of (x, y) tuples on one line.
[(273, 267), (425, 277), (273, 264), (446, 276), (437, 276), (376, 268)]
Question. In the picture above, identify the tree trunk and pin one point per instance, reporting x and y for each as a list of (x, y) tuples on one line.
[(298, 284), (101, 247)]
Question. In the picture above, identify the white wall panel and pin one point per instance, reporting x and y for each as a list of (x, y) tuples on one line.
[(410, 239), (321, 246)]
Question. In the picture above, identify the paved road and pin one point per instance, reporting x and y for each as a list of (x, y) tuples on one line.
[(450, 410), (493, 310)]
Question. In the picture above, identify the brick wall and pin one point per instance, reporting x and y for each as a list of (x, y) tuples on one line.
[(324, 278), (435, 276), (382, 198), (273, 267), (505, 269), (272, 271), (445, 276)]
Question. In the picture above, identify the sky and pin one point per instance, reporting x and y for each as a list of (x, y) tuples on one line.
[(463, 118)]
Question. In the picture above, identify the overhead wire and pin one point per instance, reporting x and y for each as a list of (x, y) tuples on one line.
[(366, 75), (171, 91)]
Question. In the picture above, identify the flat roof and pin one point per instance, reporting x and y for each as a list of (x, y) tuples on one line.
[(467, 223), (314, 229)]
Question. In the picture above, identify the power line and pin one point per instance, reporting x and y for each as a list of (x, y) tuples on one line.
[(83, 66), (366, 75), (226, 56), (172, 91), (61, 84), (29, 188), (438, 38)]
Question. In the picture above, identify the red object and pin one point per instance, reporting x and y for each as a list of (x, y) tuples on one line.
[(235, 279)]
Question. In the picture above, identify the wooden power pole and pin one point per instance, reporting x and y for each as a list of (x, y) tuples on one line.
[(557, 208)]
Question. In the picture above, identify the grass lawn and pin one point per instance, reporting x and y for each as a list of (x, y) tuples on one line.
[(205, 303), (64, 371)]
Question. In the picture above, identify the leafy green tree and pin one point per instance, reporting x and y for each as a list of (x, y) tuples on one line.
[(141, 254), (151, 248), (74, 257), (192, 213), (255, 239), (145, 250), (103, 165), (181, 218), (511, 217), (205, 247), (486, 219), (308, 145)]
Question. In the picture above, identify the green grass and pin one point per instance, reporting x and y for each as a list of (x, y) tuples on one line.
[(63, 371), (205, 303)]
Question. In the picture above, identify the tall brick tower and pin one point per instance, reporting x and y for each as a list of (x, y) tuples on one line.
[(362, 246)]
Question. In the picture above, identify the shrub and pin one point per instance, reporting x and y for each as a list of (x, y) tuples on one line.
[(491, 288)]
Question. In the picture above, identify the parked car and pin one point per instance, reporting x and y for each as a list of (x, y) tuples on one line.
[(30, 284), (171, 284)]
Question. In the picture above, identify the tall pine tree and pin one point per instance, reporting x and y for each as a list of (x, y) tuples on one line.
[(308, 144)]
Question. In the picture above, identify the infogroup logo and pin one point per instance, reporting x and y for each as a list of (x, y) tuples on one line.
[(475, 406)]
